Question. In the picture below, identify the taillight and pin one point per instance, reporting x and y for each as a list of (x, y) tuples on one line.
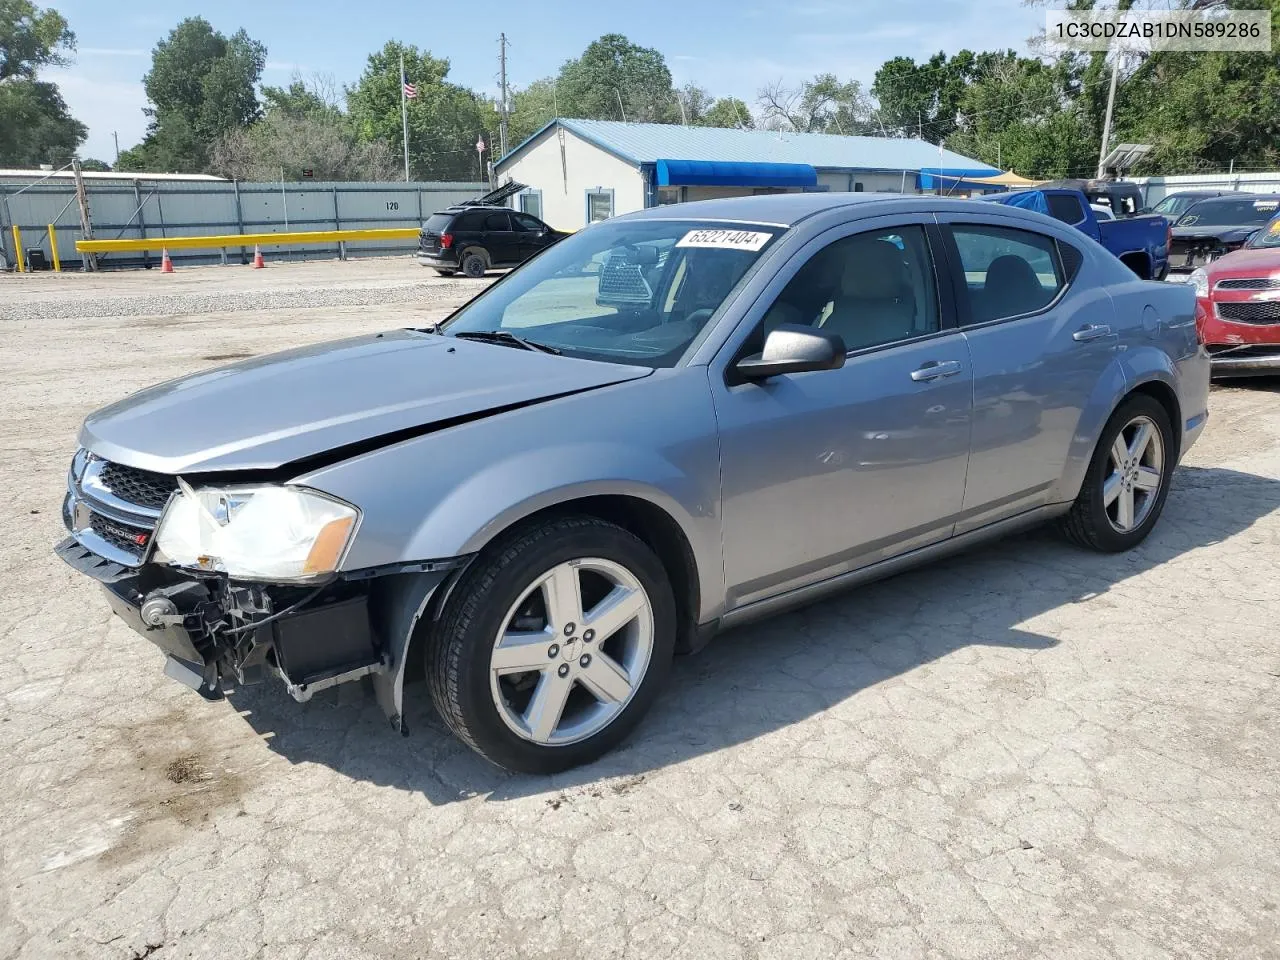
[(446, 241)]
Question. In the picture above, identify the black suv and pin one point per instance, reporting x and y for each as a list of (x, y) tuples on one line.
[(473, 238)]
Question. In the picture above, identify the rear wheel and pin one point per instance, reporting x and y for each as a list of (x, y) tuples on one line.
[(1127, 482), (474, 264), (445, 273), (554, 645)]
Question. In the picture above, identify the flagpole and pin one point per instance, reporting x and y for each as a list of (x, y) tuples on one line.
[(404, 119)]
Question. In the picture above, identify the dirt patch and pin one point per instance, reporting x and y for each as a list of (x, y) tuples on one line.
[(227, 356), (184, 769)]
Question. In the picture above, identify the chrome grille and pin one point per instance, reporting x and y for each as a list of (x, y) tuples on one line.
[(141, 487), (1249, 283), (1251, 311), (122, 536)]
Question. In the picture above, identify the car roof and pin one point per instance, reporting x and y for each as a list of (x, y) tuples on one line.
[(788, 209), (1236, 195)]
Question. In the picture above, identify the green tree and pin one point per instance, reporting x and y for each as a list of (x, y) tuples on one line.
[(35, 125), (615, 79), (201, 85), (923, 99), (444, 119), (94, 165), (821, 105), (728, 112), (531, 109)]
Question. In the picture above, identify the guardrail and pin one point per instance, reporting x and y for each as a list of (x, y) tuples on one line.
[(246, 240)]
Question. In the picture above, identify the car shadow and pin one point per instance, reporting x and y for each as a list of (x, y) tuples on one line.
[(759, 679)]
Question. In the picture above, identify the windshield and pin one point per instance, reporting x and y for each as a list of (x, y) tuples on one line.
[(1268, 238), (627, 291), (1175, 206), (1229, 213)]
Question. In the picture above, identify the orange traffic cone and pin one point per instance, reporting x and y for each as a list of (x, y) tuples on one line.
[(258, 262), (166, 265)]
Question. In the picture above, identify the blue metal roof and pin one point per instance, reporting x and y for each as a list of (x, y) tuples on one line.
[(650, 142)]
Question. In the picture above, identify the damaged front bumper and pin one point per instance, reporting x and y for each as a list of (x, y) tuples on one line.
[(218, 634)]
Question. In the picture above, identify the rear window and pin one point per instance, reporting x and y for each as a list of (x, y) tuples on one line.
[(1065, 207), (438, 222), (1230, 213)]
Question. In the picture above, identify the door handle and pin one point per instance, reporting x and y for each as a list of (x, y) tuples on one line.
[(1094, 331), (936, 370)]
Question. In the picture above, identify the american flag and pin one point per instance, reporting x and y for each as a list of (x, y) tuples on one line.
[(410, 91)]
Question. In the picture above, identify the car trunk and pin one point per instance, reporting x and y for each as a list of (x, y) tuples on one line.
[(435, 227)]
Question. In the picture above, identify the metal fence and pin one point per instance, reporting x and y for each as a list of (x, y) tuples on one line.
[(1156, 188), (129, 209)]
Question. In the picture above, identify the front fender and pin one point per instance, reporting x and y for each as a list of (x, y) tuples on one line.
[(450, 493)]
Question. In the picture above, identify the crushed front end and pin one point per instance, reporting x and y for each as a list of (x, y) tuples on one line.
[(218, 631)]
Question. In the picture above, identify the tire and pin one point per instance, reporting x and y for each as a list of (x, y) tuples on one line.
[(474, 264), (1101, 524), (480, 686)]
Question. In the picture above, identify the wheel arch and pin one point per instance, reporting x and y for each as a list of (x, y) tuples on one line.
[(648, 521)]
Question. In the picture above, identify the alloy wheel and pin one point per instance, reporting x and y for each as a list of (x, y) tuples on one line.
[(572, 651), (1135, 472)]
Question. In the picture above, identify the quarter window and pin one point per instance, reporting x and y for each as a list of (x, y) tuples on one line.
[(871, 289), (1007, 273)]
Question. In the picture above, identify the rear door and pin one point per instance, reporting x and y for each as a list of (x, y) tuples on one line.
[(1039, 342), (500, 240)]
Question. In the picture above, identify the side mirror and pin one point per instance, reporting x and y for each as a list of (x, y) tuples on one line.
[(792, 348)]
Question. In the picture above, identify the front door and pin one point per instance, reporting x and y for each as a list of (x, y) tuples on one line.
[(531, 234), (1039, 351), (828, 471)]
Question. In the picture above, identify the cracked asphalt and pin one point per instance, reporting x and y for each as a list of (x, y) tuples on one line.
[(1027, 751)]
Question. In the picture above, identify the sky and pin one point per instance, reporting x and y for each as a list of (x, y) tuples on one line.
[(731, 47)]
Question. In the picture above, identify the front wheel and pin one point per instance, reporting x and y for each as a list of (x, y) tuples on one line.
[(554, 645), (1127, 481)]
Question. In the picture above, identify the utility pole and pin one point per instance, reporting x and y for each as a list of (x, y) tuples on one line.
[(404, 119), (88, 260), (116, 137), (1106, 124), (502, 86)]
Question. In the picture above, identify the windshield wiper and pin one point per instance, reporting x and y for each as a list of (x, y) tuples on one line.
[(507, 338)]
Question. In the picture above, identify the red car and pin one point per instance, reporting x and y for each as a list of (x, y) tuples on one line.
[(1238, 307)]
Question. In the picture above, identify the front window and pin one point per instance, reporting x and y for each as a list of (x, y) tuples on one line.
[(631, 291), (1268, 238), (1229, 213)]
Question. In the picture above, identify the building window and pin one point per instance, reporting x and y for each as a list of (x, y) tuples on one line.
[(668, 195), (531, 202), (599, 205)]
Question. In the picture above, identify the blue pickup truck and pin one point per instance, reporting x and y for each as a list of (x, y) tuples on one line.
[(1141, 242)]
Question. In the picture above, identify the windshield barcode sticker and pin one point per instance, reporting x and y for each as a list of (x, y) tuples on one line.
[(725, 239)]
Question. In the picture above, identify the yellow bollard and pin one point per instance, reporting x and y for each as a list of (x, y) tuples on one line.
[(53, 249), (17, 249)]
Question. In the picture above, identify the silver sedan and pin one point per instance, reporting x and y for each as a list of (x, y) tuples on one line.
[(669, 423)]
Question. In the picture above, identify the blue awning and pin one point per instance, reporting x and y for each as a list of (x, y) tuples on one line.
[(727, 173), (952, 178)]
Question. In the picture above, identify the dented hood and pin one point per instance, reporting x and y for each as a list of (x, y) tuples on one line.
[(274, 410)]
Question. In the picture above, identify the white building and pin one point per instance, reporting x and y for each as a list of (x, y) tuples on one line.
[(579, 171)]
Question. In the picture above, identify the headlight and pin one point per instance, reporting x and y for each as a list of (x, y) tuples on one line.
[(1199, 281), (256, 533)]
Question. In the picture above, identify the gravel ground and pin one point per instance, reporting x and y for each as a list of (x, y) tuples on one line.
[(1027, 751)]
